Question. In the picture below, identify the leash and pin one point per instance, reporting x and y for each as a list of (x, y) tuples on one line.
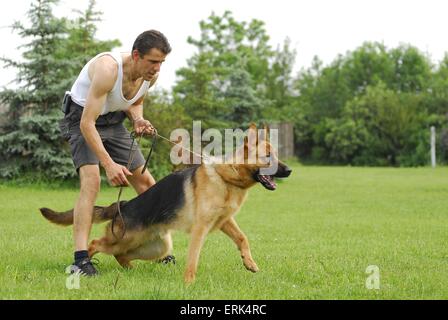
[(154, 140), (186, 149), (130, 159)]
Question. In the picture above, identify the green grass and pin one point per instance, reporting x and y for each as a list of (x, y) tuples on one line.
[(313, 238)]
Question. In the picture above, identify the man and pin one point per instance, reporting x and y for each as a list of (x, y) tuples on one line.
[(109, 87)]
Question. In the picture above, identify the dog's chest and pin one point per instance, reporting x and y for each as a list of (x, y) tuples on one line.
[(235, 198), (233, 201), (228, 198)]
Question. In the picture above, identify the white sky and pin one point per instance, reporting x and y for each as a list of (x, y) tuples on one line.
[(324, 28)]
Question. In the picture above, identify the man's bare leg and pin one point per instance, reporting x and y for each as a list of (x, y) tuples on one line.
[(141, 182), (90, 186), (82, 216)]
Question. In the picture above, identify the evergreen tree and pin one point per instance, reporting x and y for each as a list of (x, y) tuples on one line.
[(81, 44), (244, 105), (33, 142), (39, 87)]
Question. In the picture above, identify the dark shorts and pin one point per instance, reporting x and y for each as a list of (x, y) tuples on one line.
[(115, 137)]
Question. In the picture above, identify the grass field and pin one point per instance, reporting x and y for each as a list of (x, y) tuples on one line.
[(313, 238)]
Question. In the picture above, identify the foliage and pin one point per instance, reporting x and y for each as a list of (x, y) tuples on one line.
[(165, 117), (32, 147), (80, 44), (40, 88), (373, 106)]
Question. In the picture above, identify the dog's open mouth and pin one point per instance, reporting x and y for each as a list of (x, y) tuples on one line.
[(266, 181)]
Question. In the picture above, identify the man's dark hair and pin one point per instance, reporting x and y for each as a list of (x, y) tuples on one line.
[(151, 39)]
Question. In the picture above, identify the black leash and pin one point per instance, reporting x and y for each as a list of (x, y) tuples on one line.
[(154, 140), (130, 159)]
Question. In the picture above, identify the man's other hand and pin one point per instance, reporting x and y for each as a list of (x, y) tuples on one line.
[(116, 174)]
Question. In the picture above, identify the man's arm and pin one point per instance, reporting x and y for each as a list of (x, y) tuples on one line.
[(135, 113), (104, 76)]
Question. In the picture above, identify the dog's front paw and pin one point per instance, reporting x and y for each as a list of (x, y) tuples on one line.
[(251, 266), (189, 277)]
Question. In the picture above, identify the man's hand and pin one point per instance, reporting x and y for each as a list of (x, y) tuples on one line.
[(116, 174), (142, 126)]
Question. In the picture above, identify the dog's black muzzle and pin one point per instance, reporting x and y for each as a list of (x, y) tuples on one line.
[(267, 181)]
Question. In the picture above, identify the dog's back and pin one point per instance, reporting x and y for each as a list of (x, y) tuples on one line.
[(160, 203)]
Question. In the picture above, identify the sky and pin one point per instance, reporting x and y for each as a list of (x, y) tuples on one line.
[(324, 28)]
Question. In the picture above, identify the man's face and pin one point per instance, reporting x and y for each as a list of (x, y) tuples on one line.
[(149, 66)]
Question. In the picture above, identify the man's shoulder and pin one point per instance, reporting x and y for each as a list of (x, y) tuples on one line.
[(105, 64), (104, 72)]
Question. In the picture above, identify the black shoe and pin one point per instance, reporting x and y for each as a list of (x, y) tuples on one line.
[(84, 267)]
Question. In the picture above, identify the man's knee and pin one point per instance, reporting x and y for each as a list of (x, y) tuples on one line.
[(148, 180), (142, 182), (145, 182), (90, 179)]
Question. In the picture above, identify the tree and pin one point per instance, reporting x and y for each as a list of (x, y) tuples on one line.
[(40, 87), (225, 45), (241, 98), (394, 86), (32, 142), (196, 92), (279, 85), (412, 70), (381, 127), (81, 43)]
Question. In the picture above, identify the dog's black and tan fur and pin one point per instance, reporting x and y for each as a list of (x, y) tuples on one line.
[(197, 200)]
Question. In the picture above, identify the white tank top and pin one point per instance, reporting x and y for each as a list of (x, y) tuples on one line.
[(115, 100)]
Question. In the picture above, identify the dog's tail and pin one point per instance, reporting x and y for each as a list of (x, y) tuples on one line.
[(100, 214)]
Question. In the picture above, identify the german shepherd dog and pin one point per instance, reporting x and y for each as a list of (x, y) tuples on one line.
[(198, 200)]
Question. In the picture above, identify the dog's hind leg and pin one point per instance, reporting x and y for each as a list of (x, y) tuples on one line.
[(155, 249), (231, 229)]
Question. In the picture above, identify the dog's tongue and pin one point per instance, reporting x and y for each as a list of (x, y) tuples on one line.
[(268, 180)]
